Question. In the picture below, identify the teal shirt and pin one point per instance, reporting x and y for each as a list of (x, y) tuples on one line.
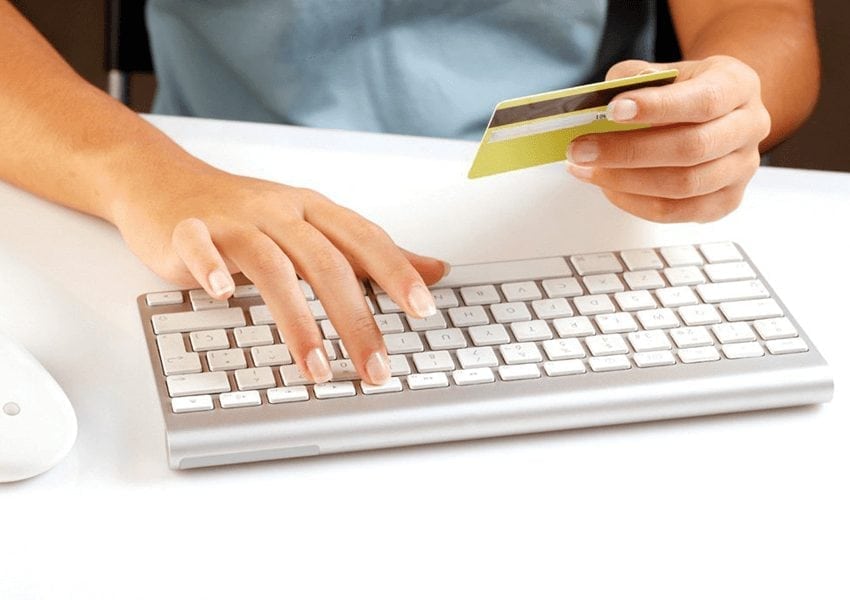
[(420, 67)]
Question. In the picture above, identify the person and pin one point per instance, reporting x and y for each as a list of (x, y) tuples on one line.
[(749, 77)]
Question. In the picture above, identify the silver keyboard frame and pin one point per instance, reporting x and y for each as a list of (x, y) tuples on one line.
[(502, 408)]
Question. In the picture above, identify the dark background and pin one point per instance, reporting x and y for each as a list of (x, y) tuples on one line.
[(76, 29)]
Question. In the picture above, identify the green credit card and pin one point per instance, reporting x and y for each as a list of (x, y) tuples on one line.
[(536, 130)]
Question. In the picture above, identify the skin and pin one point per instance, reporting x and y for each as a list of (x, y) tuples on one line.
[(66, 141), (743, 88)]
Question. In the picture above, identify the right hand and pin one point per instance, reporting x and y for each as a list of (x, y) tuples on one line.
[(212, 224)]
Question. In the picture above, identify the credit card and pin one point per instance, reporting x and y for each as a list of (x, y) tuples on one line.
[(536, 130)]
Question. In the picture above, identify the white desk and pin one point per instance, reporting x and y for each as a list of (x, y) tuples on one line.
[(752, 505)]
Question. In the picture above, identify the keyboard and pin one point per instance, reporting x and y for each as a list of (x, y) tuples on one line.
[(515, 347)]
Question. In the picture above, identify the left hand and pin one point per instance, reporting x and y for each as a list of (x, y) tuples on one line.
[(703, 148)]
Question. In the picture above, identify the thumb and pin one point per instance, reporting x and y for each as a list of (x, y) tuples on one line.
[(628, 68)]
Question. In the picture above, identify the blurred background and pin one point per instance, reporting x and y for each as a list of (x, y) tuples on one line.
[(76, 29)]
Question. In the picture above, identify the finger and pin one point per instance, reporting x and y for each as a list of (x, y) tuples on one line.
[(333, 280), (674, 182), (372, 249), (695, 97), (628, 68), (264, 263), (192, 243), (701, 209), (672, 145), (431, 269)]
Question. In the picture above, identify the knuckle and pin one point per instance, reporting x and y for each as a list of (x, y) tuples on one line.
[(696, 145), (685, 183), (710, 102), (624, 68), (364, 231)]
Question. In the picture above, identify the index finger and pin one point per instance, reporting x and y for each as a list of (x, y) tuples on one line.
[(704, 97)]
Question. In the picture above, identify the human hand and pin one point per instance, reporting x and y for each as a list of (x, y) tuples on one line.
[(696, 161), (211, 224)]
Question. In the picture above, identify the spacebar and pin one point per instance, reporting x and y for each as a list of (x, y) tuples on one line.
[(502, 272)]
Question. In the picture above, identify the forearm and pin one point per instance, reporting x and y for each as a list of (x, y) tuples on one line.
[(64, 139), (777, 39)]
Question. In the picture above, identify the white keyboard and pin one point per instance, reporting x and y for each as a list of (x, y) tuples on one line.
[(515, 347)]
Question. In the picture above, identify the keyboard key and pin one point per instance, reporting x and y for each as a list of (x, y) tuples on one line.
[(744, 350), (399, 365), (522, 291), (200, 300), (643, 280), (787, 346), (253, 335), (292, 376), (595, 264), (775, 329), (638, 300), (517, 354), (701, 314), (445, 339), (170, 344), (307, 290), (435, 321), (468, 316), (509, 312), (343, 370), (429, 362), (317, 309), (658, 318), (616, 323), (329, 331), (246, 291), (691, 337), (444, 298), (601, 364), (424, 381), (334, 389), (214, 339), (720, 252), (657, 358), (732, 290), (471, 358), (531, 331), (638, 260), (606, 345), (593, 305), (271, 356), (487, 335), (563, 349), (164, 299), (479, 294), (681, 256), (674, 297), (516, 372), (390, 323), (329, 349), (556, 368), (503, 272), (188, 362), (684, 276), (386, 304), (256, 378), (401, 343), (552, 308), (184, 322), (649, 341), (260, 315), (573, 327), (473, 376), (192, 403), (562, 287), (735, 271), (240, 399), (727, 333), (698, 355), (281, 395), (392, 385), (197, 383), (603, 284), (223, 360), (750, 310)]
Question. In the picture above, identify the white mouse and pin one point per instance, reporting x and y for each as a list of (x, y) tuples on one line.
[(37, 423)]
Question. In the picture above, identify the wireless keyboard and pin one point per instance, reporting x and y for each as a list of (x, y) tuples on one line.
[(515, 347)]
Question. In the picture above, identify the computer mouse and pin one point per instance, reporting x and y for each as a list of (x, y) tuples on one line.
[(38, 426)]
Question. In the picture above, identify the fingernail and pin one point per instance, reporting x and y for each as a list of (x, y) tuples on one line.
[(421, 302), (648, 70), (221, 283), (378, 368), (317, 364), (580, 172), (447, 268), (583, 151), (622, 110)]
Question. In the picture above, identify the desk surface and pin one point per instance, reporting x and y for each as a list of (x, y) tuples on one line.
[(752, 505)]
